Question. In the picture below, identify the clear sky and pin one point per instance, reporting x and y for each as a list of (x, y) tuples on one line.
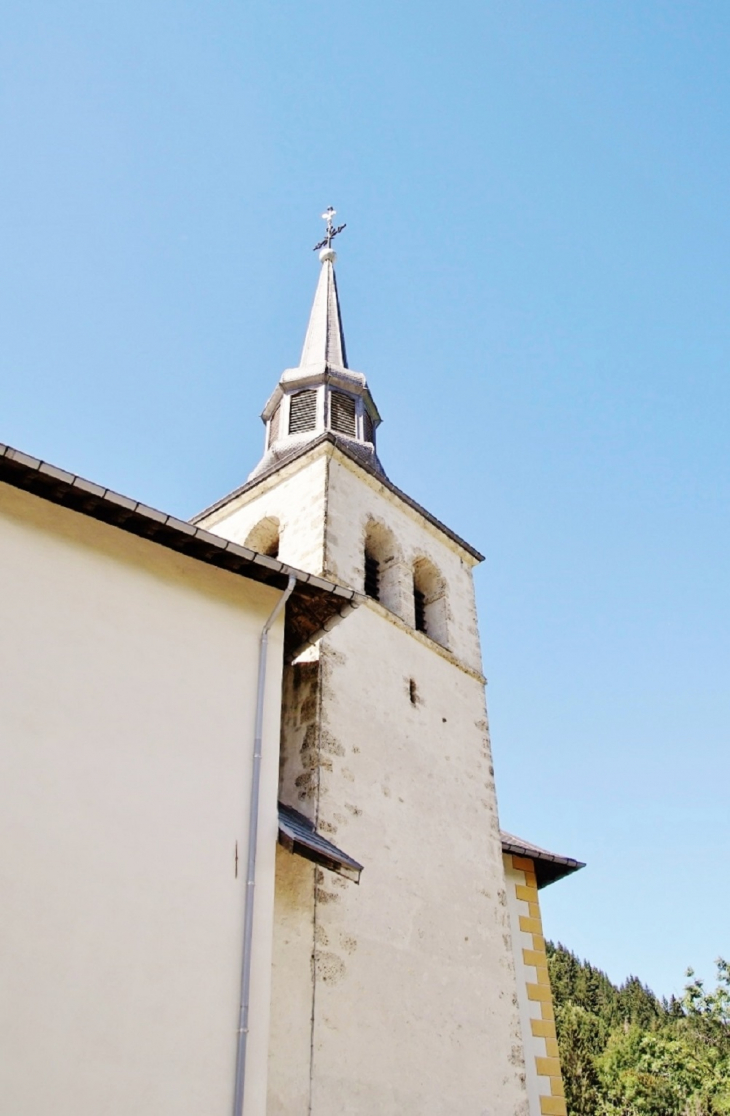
[(534, 277)]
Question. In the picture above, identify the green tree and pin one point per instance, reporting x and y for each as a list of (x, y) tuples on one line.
[(625, 1053), (636, 1003), (705, 1031), (644, 1073), (581, 1038)]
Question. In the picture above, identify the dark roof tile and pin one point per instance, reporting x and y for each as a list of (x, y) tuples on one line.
[(298, 834), (548, 866)]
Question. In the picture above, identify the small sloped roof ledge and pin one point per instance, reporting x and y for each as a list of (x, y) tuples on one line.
[(549, 867), (298, 834)]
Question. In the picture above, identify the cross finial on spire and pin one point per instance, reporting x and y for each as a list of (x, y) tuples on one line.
[(331, 232)]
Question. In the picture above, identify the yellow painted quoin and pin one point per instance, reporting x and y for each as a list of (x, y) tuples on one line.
[(547, 1065)]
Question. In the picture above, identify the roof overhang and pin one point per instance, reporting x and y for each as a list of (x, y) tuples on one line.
[(549, 867), (298, 834), (315, 605)]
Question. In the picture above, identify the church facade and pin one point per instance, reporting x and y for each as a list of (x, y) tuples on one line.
[(397, 958)]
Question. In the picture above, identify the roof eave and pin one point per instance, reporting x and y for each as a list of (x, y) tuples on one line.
[(315, 602), (549, 867), (298, 835)]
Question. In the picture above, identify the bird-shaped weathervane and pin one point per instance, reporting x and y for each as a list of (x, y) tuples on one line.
[(331, 232)]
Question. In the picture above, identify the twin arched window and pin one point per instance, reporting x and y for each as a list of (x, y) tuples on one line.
[(418, 592)]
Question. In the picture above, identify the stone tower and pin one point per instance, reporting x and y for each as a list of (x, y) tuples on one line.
[(397, 996)]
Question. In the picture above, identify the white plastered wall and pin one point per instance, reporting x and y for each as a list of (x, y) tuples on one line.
[(127, 712), (290, 1049)]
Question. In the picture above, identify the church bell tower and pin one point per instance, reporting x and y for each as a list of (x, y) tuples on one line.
[(397, 994)]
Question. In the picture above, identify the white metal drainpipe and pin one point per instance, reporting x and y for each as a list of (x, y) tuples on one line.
[(253, 823)]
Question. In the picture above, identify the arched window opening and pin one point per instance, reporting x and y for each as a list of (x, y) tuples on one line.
[(372, 576), (264, 537), (302, 411), (381, 563), (342, 413), (429, 601), (419, 604)]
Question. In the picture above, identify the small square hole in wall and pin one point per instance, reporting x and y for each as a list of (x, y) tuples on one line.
[(413, 691)]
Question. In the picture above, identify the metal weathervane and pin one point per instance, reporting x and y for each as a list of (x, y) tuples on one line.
[(331, 232)]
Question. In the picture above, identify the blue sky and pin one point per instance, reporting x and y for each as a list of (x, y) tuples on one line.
[(535, 279)]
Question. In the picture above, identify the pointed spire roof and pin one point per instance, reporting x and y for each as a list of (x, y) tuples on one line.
[(324, 342)]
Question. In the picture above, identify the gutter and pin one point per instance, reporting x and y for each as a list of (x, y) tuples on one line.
[(253, 821)]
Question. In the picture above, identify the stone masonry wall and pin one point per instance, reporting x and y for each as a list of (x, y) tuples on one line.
[(397, 996)]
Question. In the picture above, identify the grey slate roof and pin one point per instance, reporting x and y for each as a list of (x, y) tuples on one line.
[(325, 338), (548, 866), (298, 834), (315, 601), (345, 446), (281, 453)]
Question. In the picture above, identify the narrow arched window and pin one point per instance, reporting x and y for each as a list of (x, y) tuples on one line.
[(382, 567), (302, 412), (419, 607), (372, 575), (429, 601), (264, 537)]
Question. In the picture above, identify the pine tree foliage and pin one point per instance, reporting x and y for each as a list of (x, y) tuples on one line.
[(624, 1052)]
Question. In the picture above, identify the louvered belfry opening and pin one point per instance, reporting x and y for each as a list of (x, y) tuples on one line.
[(342, 414), (302, 412), (372, 576), (419, 601), (368, 431)]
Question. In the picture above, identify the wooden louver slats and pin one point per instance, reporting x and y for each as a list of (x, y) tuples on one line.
[(302, 412), (342, 412)]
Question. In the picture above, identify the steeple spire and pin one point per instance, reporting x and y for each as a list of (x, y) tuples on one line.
[(322, 395), (324, 340)]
